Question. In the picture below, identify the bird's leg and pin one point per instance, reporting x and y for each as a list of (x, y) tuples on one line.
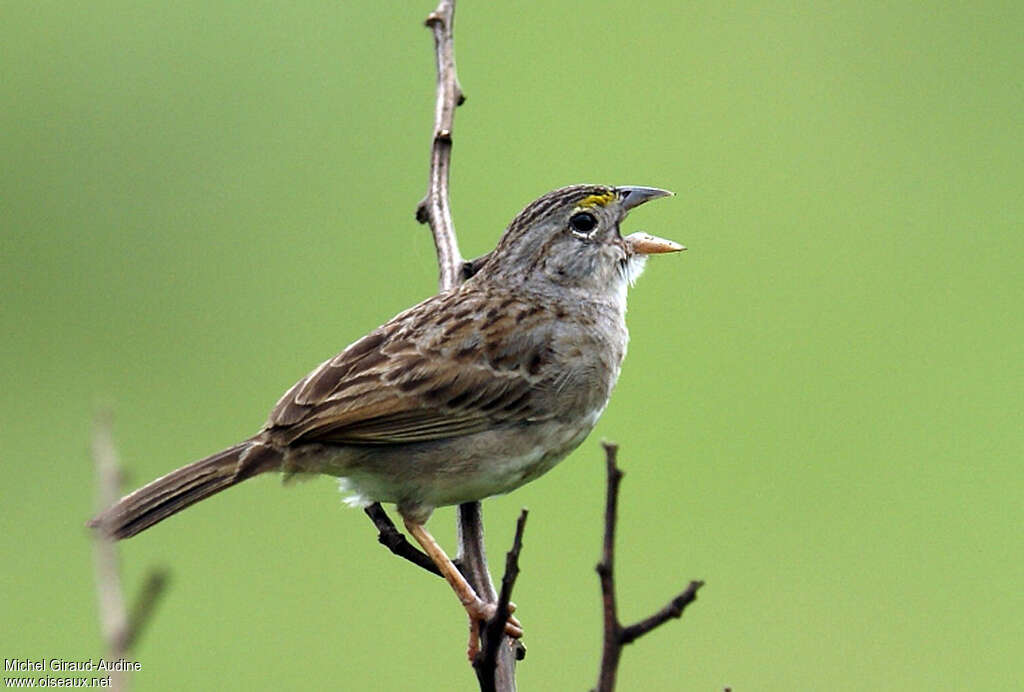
[(478, 610)]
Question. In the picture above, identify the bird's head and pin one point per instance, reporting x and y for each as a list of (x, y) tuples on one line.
[(570, 237)]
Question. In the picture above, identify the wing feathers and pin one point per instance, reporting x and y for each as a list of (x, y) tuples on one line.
[(444, 368)]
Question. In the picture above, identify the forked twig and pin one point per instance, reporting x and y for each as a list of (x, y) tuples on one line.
[(615, 635)]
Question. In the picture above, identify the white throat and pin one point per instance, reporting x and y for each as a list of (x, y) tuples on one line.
[(629, 272)]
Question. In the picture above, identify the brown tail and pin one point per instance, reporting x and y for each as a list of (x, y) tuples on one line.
[(167, 495)]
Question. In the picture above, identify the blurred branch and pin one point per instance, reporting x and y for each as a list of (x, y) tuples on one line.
[(141, 612), (615, 635), (113, 614), (121, 627)]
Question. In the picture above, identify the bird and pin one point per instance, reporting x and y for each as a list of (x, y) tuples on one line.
[(471, 393)]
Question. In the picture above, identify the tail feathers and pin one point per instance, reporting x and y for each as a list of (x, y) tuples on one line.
[(184, 487)]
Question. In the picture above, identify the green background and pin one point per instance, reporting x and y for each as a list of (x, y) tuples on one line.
[(821, 412)]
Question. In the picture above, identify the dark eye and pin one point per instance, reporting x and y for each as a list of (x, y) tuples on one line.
[(584, 222)]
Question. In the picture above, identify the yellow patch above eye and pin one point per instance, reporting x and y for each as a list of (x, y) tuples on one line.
[(597, 200)]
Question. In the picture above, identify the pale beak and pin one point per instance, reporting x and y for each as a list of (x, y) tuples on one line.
[(645, 243), (641, 243)]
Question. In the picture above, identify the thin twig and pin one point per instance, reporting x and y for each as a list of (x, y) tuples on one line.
[(395, 541), (435, 208), (673, 609), (493, 634), (121, 627), (615, 635)]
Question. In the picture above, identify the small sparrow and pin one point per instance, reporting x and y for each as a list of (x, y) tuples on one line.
[(471, 393)]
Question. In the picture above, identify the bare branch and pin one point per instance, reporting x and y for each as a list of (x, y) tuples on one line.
[(615, 635), (673, 609), (612, 648), (113, 615), (395, 541), (493, 634), (471, 558), (434, 208), (472, 562), (121, 628)]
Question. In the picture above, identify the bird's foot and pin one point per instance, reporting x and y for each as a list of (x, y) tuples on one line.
[(480, 612)]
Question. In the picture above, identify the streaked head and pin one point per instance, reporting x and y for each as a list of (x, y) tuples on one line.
[(571, 237)]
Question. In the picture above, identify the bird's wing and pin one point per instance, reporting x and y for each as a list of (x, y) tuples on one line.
[(448, 367)]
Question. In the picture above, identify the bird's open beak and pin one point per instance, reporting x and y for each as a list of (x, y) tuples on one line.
[(645, 243), (641, 243)]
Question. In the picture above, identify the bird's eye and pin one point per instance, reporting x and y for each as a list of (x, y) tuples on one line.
[(583, 222)]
